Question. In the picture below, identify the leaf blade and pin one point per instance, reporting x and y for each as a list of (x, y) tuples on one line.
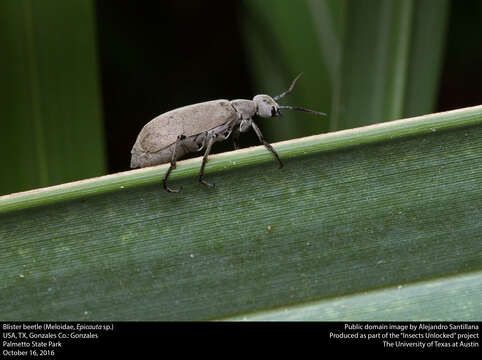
[(353, 211), (50, 97)]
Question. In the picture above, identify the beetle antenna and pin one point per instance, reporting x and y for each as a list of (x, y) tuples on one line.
[(287, 107), (290, 89)]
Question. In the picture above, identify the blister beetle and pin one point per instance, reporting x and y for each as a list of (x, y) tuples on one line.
[(192, 128)]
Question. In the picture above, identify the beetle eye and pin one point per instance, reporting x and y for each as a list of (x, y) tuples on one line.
[(273, 111)]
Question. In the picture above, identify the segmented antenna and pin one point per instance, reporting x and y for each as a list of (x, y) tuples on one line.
[(288, 107), (290, 88)]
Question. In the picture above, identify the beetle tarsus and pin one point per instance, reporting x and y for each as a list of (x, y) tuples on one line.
[(208, 184), (164, 181), (169, 190), (210, 141), (280, 164), (270, 148), (172, 167)]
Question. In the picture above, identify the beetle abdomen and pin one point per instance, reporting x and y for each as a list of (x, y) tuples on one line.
[(153, 145), (143, 158)]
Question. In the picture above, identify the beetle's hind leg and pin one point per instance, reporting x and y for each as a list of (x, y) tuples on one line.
[(211, 138), (172, 167)]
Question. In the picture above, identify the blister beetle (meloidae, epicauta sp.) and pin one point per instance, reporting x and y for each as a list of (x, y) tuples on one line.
[(192, 128)]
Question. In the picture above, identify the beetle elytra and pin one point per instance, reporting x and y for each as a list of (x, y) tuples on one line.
[(195, 127)]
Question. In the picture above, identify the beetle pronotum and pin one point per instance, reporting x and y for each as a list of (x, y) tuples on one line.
[(192, 128)]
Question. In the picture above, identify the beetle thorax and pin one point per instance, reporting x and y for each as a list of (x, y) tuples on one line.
[(266, 106)]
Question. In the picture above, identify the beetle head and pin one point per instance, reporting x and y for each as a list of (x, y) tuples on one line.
[(266, 107)]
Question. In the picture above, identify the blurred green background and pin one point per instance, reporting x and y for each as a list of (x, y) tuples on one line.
[(80, 78)]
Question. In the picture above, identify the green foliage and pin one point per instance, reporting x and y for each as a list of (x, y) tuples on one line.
[(52, 128), (374, 223), (450, 298), (352, 217), (364, 61)]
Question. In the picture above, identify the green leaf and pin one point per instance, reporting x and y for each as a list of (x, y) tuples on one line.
[(273, 30), (352, 216), (429, 27), (364, 61), (49, 95), (451, 298), (374, 63)]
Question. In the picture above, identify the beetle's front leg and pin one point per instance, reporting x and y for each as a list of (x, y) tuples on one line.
[(210, 139), (265, 143), (173, 166)]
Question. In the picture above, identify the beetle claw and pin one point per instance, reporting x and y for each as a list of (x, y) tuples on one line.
[(175, 191), (208, 184)]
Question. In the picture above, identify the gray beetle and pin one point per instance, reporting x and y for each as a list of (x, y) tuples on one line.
[(192, 128)]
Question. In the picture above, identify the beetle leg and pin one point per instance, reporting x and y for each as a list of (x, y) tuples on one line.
[(210, 142), (172, 167), (235, 138), (265, 143), (244, 125)]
